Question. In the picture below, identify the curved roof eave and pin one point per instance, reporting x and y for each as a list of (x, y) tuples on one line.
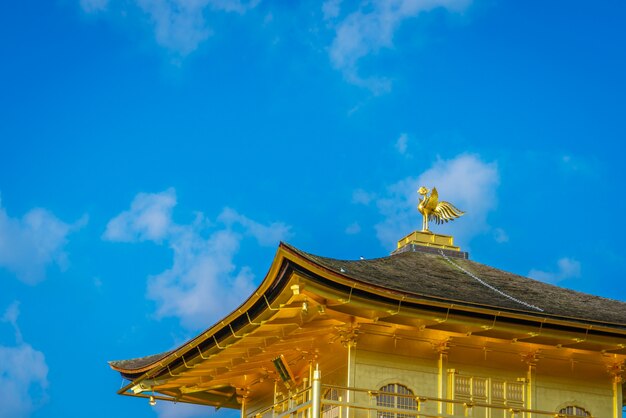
[(144, 366), (337, 274)]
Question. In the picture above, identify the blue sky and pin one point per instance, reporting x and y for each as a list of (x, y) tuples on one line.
[(154, 152)]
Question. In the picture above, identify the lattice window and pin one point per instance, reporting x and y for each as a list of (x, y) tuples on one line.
[(388, 398), (497, 391), (469, 387), (463, 386), (484, 389), (575, 410), (479, 388), (515, 391)]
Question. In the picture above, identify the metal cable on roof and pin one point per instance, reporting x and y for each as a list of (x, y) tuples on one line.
[(484, 283)]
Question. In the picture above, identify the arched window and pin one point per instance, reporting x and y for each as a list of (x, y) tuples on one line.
[(388, 398), (577, 411)]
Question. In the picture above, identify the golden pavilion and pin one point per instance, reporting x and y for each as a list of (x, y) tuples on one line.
[(424, 332)]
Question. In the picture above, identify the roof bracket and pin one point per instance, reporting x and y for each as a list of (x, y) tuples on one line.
[(493, 324), (186, 365), (443, 320), (343, 301), (392, 313), (217, 344), (201, 356), (233, 331), (172, 374), (250, 321), (270, 306)]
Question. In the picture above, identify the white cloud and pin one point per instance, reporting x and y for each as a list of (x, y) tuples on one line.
[(353, 228), (567, 268), (265, 235), (465, 181), (30, 244), (148, 219), (10, 316), (179, 25), (402, 143), (23, 373), (203, 281), (372, 28)]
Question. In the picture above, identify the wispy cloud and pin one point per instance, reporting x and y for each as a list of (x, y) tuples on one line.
[(23, 373), (28, 245), (180, 26), (148, 219), (567, 268), (500, 235), (266, 235), (331, 9), (575, 164), (203, 281), (466, 181), (402, 143), (371, 28), (353, 229), (10, 316)]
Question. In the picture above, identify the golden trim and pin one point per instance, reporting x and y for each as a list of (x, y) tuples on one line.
[(286, 253), (428, 239)]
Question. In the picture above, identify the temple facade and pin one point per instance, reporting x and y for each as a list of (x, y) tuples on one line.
[(424, 332)]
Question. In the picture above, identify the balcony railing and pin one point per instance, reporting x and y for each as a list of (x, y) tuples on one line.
[(329, 401)]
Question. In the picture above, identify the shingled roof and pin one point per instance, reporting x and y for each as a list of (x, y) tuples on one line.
[(436, 277)]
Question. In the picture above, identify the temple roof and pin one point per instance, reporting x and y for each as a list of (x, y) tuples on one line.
[(435, 279)]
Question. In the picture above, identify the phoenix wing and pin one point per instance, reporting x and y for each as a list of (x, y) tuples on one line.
[(445, 212)]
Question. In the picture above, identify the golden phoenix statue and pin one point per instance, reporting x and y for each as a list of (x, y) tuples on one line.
[(432, 209)]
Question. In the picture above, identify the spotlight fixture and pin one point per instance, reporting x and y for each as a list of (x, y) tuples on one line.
[(284, 371), (305, 308)]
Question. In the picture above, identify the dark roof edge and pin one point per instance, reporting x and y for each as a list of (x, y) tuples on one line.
[(264, 295), (270, 287), (574, 322)]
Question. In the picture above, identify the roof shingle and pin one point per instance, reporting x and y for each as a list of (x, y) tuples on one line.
[(431, 276)]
